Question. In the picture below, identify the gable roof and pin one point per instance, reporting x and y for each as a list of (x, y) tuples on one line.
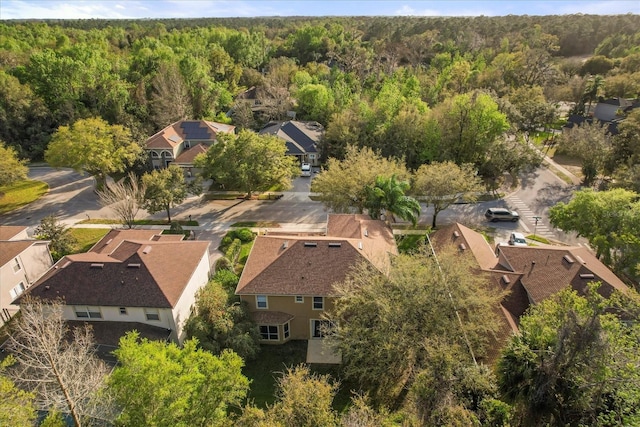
[(187, 156), (134, 274), (192, 130), (9, 249), (300, 137), (9, 232), (311, 265), (464, 239)]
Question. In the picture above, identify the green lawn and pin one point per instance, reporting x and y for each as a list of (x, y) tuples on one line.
[(273, 360), (86, 237), (20, 193)]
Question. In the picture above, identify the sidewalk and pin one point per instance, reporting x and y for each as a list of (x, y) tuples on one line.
[(548, 160)]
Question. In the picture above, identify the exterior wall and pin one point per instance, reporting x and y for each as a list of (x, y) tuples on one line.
[(134, 314), (300, 325), (182, 309), (34, 262)]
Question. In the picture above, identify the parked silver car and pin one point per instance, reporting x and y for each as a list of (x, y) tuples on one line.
[(501, 214)]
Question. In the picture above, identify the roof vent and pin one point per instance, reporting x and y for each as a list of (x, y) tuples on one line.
[(133, 265), (109, 241), (285, 244), (66, 264), (97, 265), (310, 244), (456, 234), (366, 232), (335, 244), (506, 279), (146, 249), (580, 260), (568, 259), (359, 245), (462, 246), (587, 276)]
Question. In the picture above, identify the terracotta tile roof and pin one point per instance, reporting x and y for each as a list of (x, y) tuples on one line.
[(9, 249), (187, 156), (177, 132), (135, 274), (7, 232), (466, 239), (271, 317)]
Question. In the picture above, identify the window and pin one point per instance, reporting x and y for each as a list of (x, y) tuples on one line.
[(312, 156), (269, 332), (17, 290), (16, 265), (154, 154), (318, 303), (261, 301), (85, 312), (187, 144), (285, 328), (152, 314), (299, 299), (123, 311)]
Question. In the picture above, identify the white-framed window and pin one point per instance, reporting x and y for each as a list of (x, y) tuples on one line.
[(299, 299), (87, 312), (152, 314), (312, 156), (320, 328), (123, 311), (261, 301), (16, 265), (154, 154), (318, 303), (285, 330), (16, 291), (269, 332), (187, 144)]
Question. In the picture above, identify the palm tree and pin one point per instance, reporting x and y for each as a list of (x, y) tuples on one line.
[(593, 89), (387, 196)]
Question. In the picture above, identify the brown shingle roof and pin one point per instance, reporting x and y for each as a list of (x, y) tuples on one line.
[(7, 232), (109, 333), (136, 274), (12, 248), (458, 234), (113, 238), (306, 266), (271, 317), (174, 134)]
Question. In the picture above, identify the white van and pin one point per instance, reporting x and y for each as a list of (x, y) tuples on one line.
[(306, 169)]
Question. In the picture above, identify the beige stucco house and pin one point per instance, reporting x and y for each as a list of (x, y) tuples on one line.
[(180, 142), (288, 280), (22, 262), (134, 276)]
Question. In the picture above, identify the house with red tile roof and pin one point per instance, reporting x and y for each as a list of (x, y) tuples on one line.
[(529, 274), (288, 280), (130, 276), (22, 261), (180, 142)]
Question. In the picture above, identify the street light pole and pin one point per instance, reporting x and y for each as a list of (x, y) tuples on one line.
[(535, 227)]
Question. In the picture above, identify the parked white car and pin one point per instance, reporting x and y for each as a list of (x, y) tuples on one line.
[(517, 239), (306, 169)]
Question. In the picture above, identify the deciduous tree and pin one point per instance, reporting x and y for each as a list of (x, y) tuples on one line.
[(58, 234), (590, 143), (162, 384), (59, 365), (249, 161), (17, 406), (382, 320), (12, 168), (342, 185), (164, 189), (575, 362), (442, 184), (125, 198), (93, 146)]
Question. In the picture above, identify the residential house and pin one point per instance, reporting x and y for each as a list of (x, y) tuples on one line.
[(302, 138), (608, 112), (22, 262), (529, 274), (288, 280), (130, 277), (180, 142)]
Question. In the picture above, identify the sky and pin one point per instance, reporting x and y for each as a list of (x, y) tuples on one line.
[(134, 9)]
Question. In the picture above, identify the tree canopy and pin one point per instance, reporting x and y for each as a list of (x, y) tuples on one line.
[(12, 168), (259, 162), (162, 384), (166, 188)]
